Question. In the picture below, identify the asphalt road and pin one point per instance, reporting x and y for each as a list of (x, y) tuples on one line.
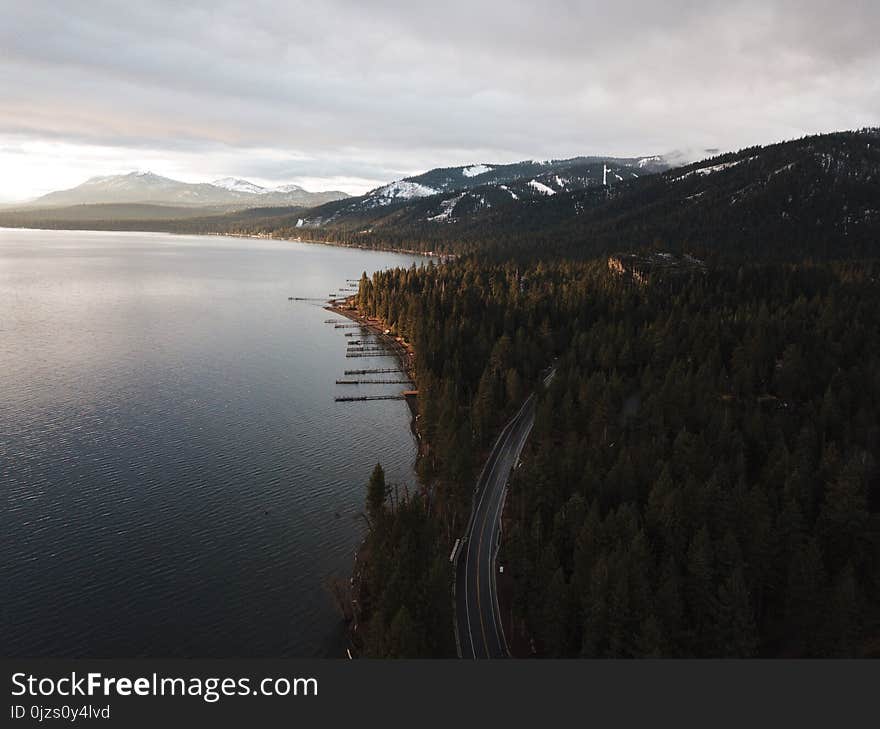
[(480, 633)]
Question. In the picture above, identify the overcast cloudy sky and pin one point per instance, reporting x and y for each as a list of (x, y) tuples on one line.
[(345, 94)]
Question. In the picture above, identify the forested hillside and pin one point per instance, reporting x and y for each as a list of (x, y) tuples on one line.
[(703, 479), (481, 334), (704, 475), (811, 198)]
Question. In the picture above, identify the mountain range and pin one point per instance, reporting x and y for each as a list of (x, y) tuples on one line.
[(150, 188), (818, 196), (456, 191), (446, 193)]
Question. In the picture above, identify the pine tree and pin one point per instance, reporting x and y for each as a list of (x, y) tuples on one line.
[(737, 632), (804, 595), (404, 637), (844, 616), (844, 515), (556, 612), (700, 591), (377, 491)]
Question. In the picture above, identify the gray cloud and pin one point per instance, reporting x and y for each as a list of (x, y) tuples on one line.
[(371, 90)]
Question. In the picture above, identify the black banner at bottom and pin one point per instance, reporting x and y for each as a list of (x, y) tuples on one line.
[(270, 693)]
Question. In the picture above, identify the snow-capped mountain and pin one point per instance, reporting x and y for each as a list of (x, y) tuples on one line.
[(446, 194), (460, 178), (236, 184), (548, 176), (147, 187), (287, 188), (399, 190)]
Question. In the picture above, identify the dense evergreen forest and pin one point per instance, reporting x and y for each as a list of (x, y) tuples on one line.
[(475, 357), (402, 606), (703, 475), (703, 478)]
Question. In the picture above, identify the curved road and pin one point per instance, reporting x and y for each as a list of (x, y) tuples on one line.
[(479, 631)]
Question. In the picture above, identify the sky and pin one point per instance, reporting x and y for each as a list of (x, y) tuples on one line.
[(348, 94)]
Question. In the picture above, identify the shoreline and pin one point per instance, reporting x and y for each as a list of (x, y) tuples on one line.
[(335, 244), (405, 354), (441, 257)]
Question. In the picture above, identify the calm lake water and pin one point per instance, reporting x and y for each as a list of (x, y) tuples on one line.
[(176, 477)]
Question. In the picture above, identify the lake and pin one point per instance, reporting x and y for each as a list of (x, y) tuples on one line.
[(177, 479)]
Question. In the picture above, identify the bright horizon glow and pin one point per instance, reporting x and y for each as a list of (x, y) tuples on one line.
[(34, 168)]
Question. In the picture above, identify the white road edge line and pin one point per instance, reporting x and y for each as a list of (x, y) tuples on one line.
[(471, 524)]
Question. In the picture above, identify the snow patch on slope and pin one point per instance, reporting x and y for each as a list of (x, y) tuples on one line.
[(475, 170), (402, 190), (236, 184), (714, 168), (446, 208), (541, 187)]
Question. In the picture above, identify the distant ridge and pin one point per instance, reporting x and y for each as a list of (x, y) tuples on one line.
[(456, 192), (149, 188)]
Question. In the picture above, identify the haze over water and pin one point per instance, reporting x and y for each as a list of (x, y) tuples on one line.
[(176, 477)]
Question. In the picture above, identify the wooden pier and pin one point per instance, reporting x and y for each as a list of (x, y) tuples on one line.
[(373, 382), (381, 371), (364, 398), (383, 353)]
